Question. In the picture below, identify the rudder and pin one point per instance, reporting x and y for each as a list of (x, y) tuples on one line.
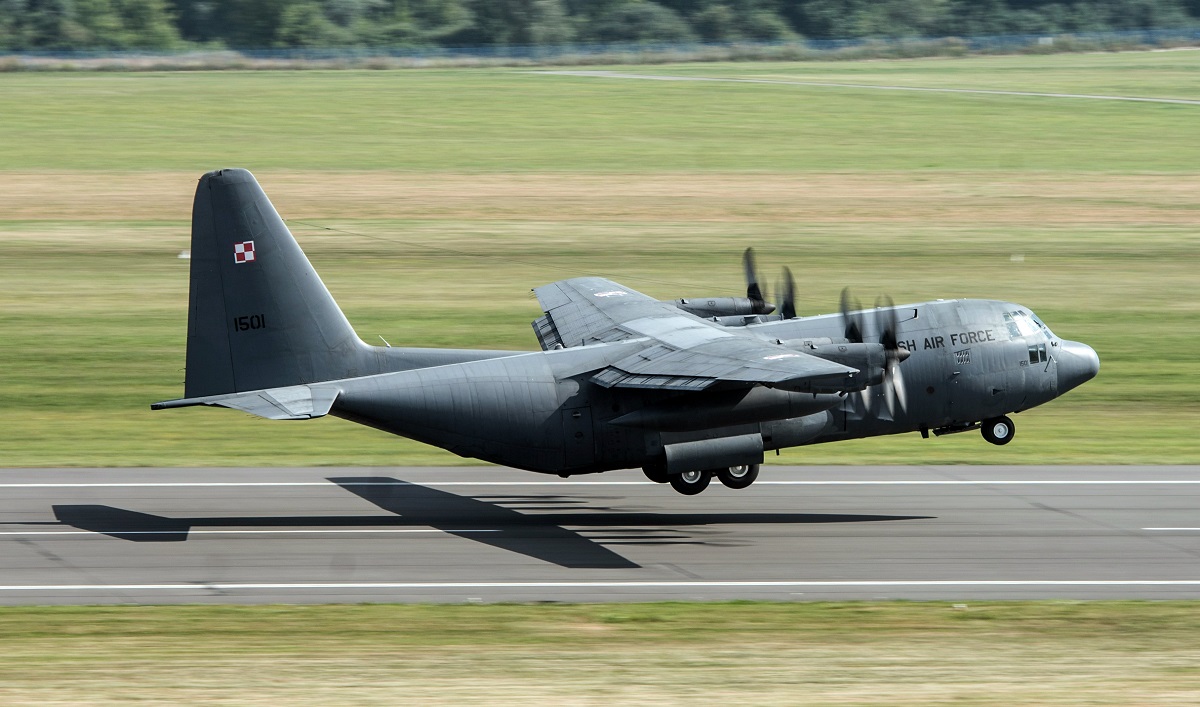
[(258, 314)]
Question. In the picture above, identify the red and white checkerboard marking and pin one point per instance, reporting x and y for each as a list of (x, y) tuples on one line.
[(243, 252)]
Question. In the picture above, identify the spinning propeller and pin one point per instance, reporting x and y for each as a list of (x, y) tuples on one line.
[(786, 289), (882, 322), (886, 324), (753, 291)]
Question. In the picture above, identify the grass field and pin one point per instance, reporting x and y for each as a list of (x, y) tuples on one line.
[(1023, 653), (454, 192), (520, 121)]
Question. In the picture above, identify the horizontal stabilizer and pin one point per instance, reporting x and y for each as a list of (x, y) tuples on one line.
[(294, 402)]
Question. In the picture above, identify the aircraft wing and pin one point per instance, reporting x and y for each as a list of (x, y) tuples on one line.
[(591, 310), (682, 352)]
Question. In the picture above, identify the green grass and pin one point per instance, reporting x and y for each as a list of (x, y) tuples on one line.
[(1143, 74), (990, 653), (658, 185), (507, 120)]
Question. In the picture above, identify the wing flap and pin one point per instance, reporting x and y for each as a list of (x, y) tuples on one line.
[(547, 334), (615, 378)]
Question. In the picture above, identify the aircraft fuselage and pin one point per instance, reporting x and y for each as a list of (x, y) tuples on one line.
[(970, 360)]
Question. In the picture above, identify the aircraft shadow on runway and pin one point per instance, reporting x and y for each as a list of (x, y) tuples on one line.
[(541, 535)]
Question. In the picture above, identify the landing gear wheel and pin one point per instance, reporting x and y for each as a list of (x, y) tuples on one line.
[(690, 483), (998, 430), (738, 477), (656, 474)]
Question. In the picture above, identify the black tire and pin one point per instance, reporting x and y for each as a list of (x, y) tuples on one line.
[(658, 475), (998, 430), (690, 483), (738, 477)]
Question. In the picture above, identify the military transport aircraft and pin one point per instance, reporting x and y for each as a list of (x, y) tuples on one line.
[(686, 389)]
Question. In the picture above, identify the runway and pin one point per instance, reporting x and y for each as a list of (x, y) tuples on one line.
[(488, 534)]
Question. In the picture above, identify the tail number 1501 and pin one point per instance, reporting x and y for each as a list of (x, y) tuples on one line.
[(249, 322)]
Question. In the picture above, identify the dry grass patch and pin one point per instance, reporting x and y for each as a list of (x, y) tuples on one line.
[(937, 198)]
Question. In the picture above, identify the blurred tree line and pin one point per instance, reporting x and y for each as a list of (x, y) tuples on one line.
[(259, 24)]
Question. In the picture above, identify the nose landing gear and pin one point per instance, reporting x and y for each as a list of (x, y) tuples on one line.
[(998, 430)]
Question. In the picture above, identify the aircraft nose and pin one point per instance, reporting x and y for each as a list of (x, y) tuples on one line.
[(1077, 364)]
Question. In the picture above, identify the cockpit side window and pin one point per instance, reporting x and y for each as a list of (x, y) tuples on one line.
[(1037, 353)]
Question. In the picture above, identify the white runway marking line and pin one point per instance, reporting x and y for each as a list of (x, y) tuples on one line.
[(785, 584), (568, 482), (330, 531), (993, 92)]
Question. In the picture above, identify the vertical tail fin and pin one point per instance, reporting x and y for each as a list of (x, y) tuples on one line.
[(258, 315)]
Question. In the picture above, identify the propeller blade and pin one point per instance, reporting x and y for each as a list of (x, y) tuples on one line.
[(787, 292), (897, 386), (888, 325), (753, 291), (852, 317), (868, 401)]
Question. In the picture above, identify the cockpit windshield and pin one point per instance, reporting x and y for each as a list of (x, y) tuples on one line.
[(1042, 325), (1022, 323)]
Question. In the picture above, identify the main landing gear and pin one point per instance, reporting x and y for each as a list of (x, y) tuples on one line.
[(690, 483), (738, 477), (998, 430)]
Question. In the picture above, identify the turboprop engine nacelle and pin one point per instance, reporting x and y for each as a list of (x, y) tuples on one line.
[(870, 359), (707, 307)]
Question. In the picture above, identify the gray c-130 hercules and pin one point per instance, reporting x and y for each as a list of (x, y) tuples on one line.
[(686, 390)]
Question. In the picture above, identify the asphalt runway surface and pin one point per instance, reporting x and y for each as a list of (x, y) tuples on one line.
[(318, 535)]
